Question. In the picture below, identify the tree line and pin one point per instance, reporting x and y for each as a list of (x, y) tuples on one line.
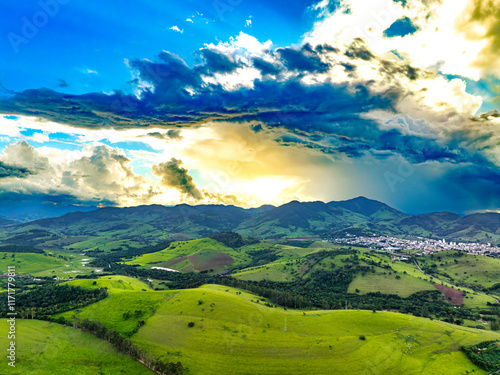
[(122, 344), (485, 355), (52, 299), (20, 249)]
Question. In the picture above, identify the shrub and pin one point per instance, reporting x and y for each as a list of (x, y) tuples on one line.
[(191, 324), (362, 337)]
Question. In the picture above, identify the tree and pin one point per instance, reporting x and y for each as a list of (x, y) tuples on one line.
[(495, 326), (425, 311)]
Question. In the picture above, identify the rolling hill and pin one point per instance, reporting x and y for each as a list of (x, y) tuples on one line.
[(370, 208), (233, 332), (49, 349)]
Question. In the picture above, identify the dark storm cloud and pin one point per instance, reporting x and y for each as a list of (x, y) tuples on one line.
[(325, 48), (391, 68), (487, 116), (170, 77), (171, 102), (349, 67), (358, 50), (474, 186), (417, 149), (217, 62), (265, 67), (7, 171), (305, 60), (169, 135), (326, 115), (179, 97), (174, 176)]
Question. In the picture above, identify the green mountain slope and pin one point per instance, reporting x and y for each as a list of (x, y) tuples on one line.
[(51, 349), (233, 334), (300, 219), (150, 224), (370, 208)]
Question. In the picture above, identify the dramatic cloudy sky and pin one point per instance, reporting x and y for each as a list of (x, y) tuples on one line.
[(251, 102)]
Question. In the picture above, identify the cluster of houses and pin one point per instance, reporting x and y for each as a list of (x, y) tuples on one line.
[(424, 245)]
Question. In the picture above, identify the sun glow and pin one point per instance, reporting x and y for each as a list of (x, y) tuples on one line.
[(268, 189)]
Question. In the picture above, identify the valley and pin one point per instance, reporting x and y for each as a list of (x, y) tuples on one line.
[(235, 302)]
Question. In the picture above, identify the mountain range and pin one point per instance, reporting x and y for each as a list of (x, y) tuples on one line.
[(294, 219)]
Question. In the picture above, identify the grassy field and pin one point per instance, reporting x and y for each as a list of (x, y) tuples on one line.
[(276, 271), (405, 286), (159, 284), (234, 333), (113, 283), (413, 280), (105, 244), (290, 265), (187, 256), (126, 294), (470, 269), (51, 349), (63, 265)]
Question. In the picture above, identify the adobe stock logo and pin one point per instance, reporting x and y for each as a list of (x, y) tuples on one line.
[(32, 25), (223, 6), (379, 20)]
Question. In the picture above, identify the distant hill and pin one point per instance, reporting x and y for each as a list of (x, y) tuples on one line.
[(427, 224), (25, 208), (4, 221), (481, 227), (294, 219), (300, 219), (371, 208)]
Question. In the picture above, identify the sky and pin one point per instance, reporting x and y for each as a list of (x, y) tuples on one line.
[(124, 103)]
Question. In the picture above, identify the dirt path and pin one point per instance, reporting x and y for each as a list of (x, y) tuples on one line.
[(432, 277)]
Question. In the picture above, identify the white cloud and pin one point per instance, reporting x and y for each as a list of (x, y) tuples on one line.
[(438, 43), (176, 29), (242, 45)]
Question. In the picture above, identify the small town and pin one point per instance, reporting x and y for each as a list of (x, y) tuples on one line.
[(424, 245)]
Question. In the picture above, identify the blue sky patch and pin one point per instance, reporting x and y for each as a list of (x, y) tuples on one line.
[(402, 27)]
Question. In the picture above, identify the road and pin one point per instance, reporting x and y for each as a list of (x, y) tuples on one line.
[(432, 277)]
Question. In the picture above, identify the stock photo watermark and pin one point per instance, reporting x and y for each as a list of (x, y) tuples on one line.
[(31, 25), (399, 176), (223, 6), (11, 314), (380, 20)]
